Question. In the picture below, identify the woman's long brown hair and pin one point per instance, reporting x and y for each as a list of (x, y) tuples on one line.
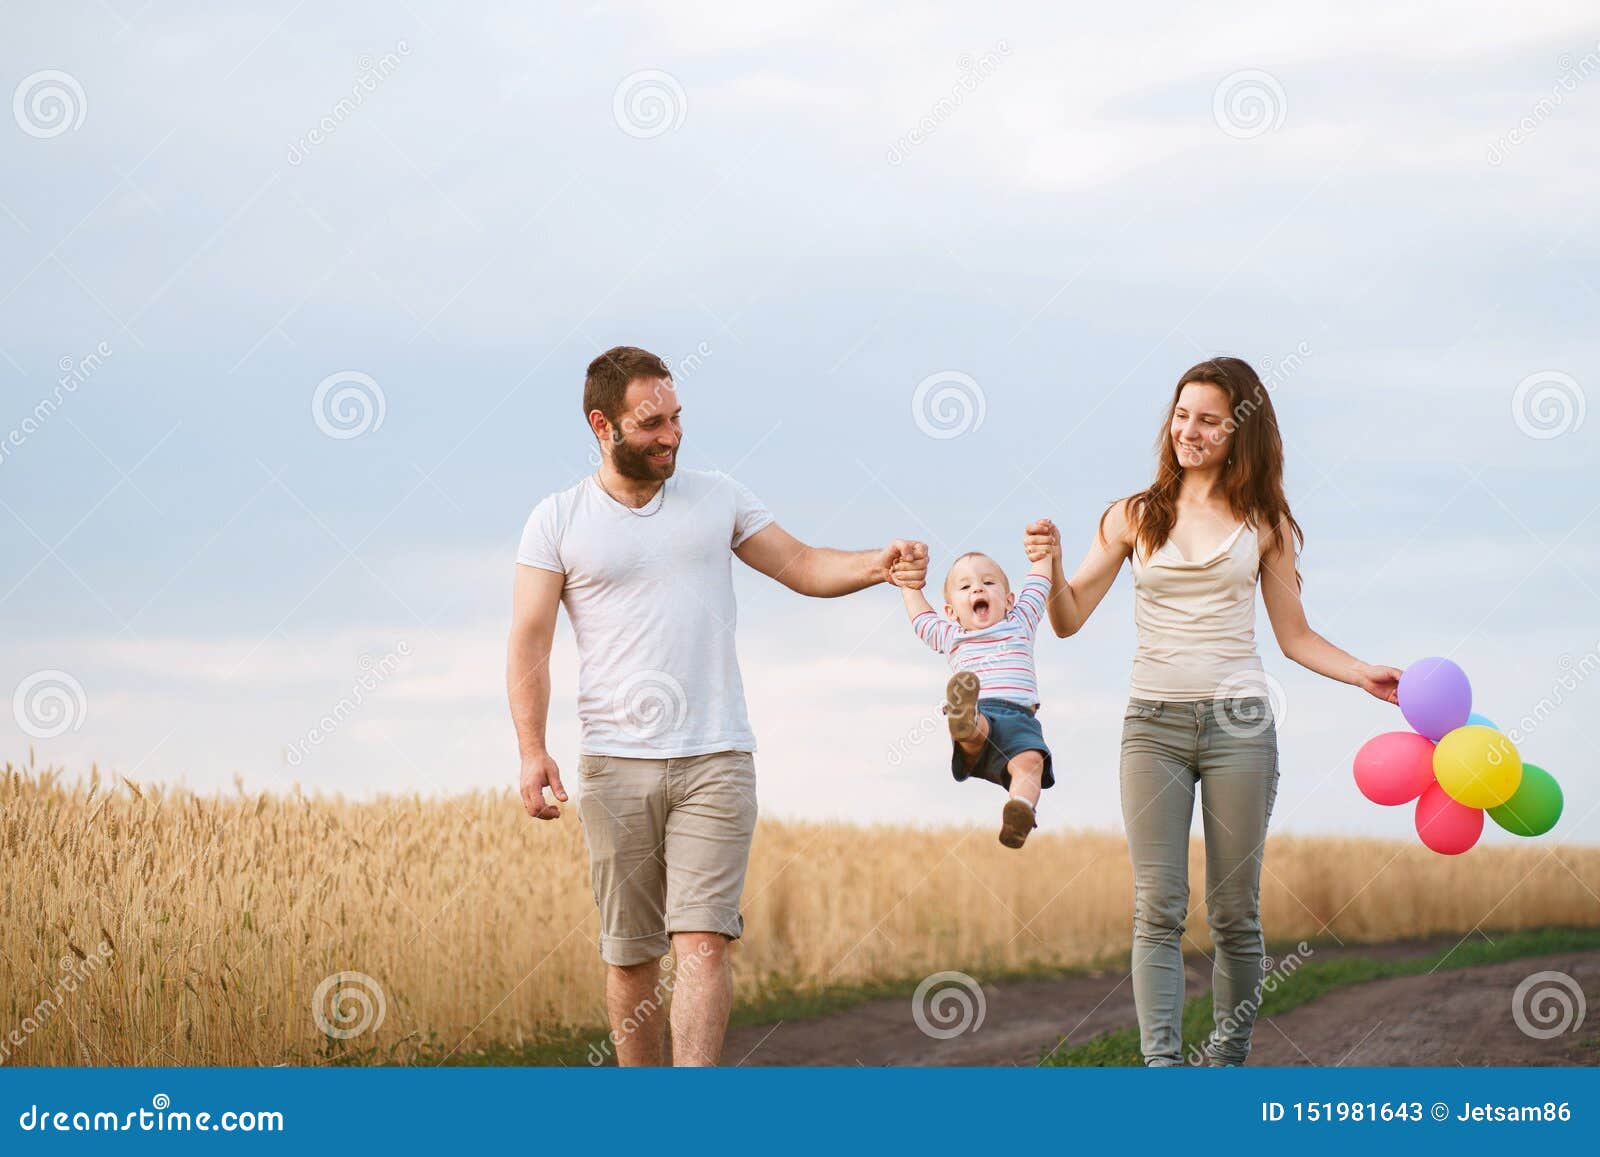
[(1252, 478)]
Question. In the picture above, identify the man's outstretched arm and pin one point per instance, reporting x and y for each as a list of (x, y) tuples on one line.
[(823, 572), (534, 600)]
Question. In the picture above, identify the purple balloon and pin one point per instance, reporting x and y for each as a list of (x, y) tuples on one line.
[(1435, 697)]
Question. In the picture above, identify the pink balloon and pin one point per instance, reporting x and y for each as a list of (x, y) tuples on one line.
[(1446, 826), (1395, 767)]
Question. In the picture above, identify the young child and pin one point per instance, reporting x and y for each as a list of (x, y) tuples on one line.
[(992, 699)]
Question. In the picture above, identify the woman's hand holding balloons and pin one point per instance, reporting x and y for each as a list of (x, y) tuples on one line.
[(1456, 764), (1380, 682)]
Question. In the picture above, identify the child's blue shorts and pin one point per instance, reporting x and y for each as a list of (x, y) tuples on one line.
[(1013, 729)]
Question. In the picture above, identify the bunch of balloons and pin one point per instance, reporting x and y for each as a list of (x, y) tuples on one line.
[(1455, 764)]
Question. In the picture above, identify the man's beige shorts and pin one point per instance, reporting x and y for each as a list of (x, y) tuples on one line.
[(669, 840)]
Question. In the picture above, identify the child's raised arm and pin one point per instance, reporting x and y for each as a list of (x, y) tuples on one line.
[(931, 627), (1045, 559), (1030, 602), (916, 602)]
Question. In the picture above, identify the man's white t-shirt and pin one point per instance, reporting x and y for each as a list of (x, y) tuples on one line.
[(651, 602)]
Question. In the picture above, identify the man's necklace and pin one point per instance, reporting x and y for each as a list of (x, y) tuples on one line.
[(661, 494)]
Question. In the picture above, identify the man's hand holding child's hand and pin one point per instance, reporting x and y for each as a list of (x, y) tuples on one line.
[(906, 564)]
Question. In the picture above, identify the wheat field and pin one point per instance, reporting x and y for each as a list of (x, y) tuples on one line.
[(146, 925)]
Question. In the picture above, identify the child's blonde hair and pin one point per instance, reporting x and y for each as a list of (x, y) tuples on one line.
[(962, 559)]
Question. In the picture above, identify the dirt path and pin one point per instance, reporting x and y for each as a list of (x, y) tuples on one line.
[(1457, 1017), (1449, 1018)]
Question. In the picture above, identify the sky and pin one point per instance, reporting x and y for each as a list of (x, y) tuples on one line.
[(295, 306)]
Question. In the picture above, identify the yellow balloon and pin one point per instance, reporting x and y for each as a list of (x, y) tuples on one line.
[(1477, 766)]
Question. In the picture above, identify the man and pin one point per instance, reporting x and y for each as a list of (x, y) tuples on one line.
[(640, 554)]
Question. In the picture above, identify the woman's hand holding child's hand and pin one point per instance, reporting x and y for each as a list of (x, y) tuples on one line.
[(1041, 540)]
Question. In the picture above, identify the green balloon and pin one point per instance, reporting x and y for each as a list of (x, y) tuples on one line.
[(1535, 806)]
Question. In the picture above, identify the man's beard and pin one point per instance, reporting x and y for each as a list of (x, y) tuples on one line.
[(636, 466)]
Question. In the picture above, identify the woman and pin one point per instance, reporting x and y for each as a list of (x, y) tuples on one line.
[(1213, 523)]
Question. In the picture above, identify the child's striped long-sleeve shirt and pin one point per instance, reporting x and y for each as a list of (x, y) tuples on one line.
[(1002, 655)]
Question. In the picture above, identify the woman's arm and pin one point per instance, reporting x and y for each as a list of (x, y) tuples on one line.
[(1280, 590), (1072, 602)]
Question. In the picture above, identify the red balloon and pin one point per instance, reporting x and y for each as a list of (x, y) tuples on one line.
[(1446, 826), (1395, 767)]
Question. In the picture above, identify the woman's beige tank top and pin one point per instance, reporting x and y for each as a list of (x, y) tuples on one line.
[(1196, 622)]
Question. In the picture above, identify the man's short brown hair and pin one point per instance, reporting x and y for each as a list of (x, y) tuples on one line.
[(606, 384)]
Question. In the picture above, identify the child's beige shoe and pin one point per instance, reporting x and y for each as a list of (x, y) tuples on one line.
[(961, 705), (1016, 821)]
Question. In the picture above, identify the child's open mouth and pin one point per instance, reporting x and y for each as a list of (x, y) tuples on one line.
[(980, 607)]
